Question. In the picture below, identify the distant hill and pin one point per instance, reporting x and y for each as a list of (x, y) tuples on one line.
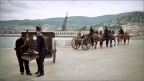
[(76, 22), (124, 19)]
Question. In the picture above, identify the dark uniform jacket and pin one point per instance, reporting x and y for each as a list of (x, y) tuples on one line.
[(21, 45), (121, 31), (41, 42), (106, 31), (91, 31)]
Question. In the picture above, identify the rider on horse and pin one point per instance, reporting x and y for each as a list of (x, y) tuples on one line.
[(121, 32), (91, 31), (91, 35), (106, 32)]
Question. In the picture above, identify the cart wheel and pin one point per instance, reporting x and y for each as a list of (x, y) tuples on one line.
[(75, 43), (86, 43)]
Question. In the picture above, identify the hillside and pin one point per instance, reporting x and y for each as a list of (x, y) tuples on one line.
[(75, 22), (125, 19)]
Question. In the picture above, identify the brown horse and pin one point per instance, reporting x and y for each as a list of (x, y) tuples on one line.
[(119, 38), (111, 37), (124, 37), (108, 38), (96, 37), (100, 37)]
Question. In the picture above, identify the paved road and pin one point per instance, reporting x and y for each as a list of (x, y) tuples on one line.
[(122, 62)]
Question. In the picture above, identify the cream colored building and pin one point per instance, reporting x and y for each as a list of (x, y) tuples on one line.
[(135, 29)]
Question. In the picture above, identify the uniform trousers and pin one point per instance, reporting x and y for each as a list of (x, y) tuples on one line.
[(40, 61), (23, 63)]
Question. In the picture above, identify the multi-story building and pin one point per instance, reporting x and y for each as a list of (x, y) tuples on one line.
[(134, 29)]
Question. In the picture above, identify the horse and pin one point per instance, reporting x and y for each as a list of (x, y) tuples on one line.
[(95, 37), (124, 37), (111, 37), (108, 37), (119, 38), (101, 37)]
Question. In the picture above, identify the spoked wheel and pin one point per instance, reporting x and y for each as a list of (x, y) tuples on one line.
[(75, 43), (86, 43)]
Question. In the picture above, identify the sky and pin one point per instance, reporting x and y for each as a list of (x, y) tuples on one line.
[(43, 9)]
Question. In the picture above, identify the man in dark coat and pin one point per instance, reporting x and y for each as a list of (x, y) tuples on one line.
[(91, 31), (41, 46), (121, 31), (21, 47), (106, 32), (106, 36), (90, 35)]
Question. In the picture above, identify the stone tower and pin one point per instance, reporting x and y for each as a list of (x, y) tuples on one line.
[(64, 23)]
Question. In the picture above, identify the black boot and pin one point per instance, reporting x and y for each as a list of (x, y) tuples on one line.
[(37, 72), (29, 73), (40, 75)]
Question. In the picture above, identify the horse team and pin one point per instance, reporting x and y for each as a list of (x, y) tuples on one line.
[(108, 36)]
